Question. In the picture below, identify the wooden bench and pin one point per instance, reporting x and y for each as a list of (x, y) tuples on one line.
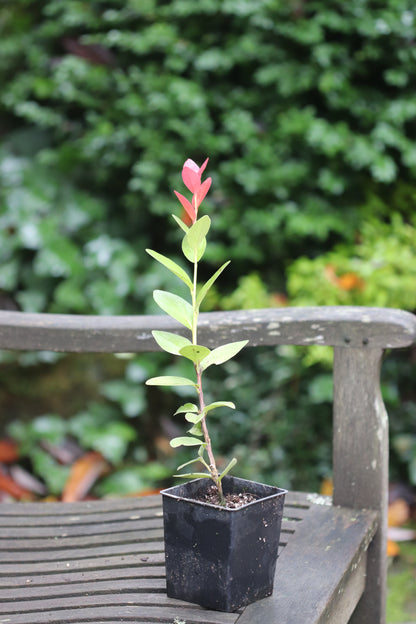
[(103, 561)]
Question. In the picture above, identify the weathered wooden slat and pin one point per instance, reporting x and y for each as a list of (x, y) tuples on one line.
[(68, 576), (138, 516), (360, 450), (334, 326), (103, 539), (144, 560), (318, 569), (65, 530), (135, 614), (68, 554), (84, 508), (89, 599), (28, 592)]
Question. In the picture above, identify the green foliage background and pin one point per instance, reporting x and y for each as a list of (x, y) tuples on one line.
[(307, 111)]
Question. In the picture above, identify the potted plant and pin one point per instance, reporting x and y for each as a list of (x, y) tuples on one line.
[(221, 532)]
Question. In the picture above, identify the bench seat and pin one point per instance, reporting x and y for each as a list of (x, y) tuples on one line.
[(103, 561)]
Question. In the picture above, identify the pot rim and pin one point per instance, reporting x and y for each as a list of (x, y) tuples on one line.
[(278, 492)]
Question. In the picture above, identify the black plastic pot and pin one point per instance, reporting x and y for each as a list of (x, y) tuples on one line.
[(216, 557)]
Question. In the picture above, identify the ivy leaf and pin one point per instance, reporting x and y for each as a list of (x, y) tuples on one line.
[(195, 353), (205, 288), (194, 241), (185, 441), (171, 266), (223, 354), (175, 306), (167, 380), (172, 343)]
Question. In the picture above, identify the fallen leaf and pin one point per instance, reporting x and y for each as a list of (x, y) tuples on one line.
[(84, 473), (26, 480), (9, 486), (9, 451), (65, 453), (398, 512), (393, 549), (327, 487)]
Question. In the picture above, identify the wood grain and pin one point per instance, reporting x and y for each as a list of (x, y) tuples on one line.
[(334, 326), (118, 575)]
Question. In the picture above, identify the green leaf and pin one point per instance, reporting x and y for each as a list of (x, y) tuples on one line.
[(170, 381), (171, 266), (223, 354), (175, 306), (187, 407), (205, 288), (195, 353), (194, 475), (192, 254), (194, 242), (195, 430), (185, 441), (172, 343), (212, 406), (181, 224), (228, 467), (192, 461), (193, 418), (198, 231)]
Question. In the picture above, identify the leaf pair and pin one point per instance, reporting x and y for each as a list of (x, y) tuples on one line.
[(193, 246), (190, 408), (201, 356), (194, 242), (199, 475), (222, 354)]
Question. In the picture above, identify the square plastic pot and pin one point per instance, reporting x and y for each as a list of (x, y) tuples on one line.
[(216, 557)]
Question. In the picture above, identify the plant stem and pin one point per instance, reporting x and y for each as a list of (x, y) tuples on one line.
[(194, 306), (212, 464)]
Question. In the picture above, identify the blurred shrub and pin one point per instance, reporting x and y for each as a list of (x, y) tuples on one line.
[(302, 108), (379, 269)]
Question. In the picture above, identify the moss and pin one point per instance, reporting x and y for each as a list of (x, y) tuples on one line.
[(401, 596)]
